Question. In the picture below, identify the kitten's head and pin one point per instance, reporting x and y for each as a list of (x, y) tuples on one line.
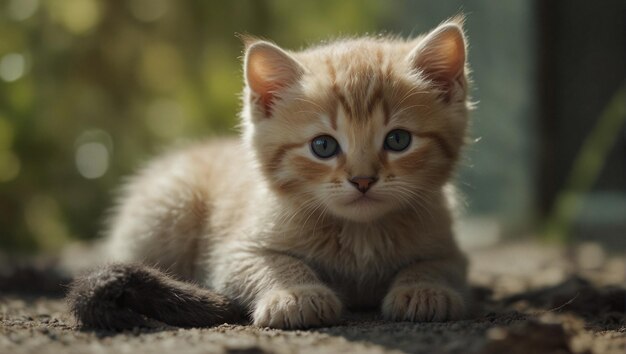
[(358, 127)]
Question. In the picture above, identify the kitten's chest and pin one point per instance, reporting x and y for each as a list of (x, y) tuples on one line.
[(364, 249), (358, 261)]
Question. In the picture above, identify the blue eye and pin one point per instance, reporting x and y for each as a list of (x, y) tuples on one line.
[(397, 140), (325, 146)]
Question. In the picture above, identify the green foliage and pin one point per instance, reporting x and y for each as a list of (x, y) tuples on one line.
[(90, 89), (586, 169)]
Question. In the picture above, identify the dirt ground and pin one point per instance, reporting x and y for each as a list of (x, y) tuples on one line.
[(530, 298)]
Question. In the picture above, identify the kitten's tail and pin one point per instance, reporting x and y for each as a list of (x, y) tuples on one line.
[(123, 296)]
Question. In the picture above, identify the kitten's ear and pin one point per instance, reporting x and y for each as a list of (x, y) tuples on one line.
[(440, 56), (268, 69)]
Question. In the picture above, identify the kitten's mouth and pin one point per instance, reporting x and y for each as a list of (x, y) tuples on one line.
[(363, 200), (362, 208)]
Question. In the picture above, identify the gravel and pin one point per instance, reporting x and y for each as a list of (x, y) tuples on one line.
[(529, 299)]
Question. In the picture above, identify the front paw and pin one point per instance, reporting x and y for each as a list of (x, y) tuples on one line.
[(297, 307), (423, 302)]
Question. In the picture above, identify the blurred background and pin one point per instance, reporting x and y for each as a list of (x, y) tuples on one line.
[(91, 89)]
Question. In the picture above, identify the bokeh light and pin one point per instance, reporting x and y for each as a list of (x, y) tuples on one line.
[(12, 67), (92, 160), (77, 16), (20, 10), (93, 152)]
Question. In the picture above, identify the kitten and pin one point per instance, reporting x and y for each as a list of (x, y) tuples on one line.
[(336, 196)]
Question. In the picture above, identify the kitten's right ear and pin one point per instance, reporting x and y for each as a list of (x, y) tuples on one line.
[(267, 70)]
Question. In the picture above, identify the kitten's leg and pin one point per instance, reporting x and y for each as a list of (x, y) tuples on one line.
[(433, 290), (280, 290)]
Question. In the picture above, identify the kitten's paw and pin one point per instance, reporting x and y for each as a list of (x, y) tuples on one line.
[(423, 302), (298, 307)]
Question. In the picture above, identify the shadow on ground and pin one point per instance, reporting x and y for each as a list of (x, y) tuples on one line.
[(575, 314)]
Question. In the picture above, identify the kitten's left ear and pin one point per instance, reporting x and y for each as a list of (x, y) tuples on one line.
[(268, 69), (440, 56)]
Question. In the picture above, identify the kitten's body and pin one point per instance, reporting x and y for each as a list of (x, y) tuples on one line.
[(206, 211), (285, 234)]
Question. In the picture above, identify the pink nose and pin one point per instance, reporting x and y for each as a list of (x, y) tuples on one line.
[(363, 183)]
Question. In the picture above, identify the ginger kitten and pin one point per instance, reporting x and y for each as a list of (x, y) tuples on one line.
[(336, 196)]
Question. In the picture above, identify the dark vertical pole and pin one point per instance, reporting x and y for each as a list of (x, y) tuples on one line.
[(546, 87)]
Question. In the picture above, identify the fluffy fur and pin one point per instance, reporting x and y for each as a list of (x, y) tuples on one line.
[(284, 234), (123, 296)]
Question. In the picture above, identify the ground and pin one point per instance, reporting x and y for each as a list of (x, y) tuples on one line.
[(530, 298)]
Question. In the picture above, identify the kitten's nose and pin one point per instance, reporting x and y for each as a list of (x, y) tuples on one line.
[(363, 183)]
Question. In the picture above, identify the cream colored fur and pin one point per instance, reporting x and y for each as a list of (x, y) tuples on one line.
[(265, 222)]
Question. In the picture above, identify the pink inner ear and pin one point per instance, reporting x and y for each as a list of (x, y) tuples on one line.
[(267, 98), (269, 69), (267, 101)]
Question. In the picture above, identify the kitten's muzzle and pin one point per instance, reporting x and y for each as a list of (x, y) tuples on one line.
[(363, 184)]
